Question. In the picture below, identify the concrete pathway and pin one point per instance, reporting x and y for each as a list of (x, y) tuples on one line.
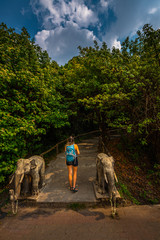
[(134, 223), (56, 192)]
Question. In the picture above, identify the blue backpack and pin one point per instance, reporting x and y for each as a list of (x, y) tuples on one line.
[(70, 153)]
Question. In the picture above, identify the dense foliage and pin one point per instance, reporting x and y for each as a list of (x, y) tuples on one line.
[(30, 103), (121, 89), (108, 88)]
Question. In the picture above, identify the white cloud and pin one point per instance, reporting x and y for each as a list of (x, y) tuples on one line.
[(115, 43), (131, 16), (152, 10), (23, 11), (82, 15), (65, 23), (65, 26), (60, 12), (41, 38), (104, 3), (61, 43)]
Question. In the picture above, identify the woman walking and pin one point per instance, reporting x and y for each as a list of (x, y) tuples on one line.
[(71, 151)]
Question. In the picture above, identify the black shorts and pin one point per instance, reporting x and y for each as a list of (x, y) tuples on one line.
[(73, 163)]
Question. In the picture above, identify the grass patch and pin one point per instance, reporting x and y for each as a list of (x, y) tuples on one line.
[(154, 201), (124, 192), (4, 197), (76, 206)]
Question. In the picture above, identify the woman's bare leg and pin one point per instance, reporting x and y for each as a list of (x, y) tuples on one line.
[(74, 176), (70, 175)]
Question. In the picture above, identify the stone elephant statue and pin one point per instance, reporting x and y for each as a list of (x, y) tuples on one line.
[(28, 177), (106, 177)]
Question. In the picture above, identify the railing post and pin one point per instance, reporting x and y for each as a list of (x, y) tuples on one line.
[(56, 148)]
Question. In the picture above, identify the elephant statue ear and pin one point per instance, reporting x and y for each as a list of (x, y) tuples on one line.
[(112, 159), (103, 161), (33, 164), (20, 162)]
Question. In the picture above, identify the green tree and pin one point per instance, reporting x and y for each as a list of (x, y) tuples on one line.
[(30, 103)]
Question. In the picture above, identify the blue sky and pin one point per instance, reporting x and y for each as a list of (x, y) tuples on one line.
[(60, 26)]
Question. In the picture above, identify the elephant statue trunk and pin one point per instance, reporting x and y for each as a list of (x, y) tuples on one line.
[(17, 183)]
